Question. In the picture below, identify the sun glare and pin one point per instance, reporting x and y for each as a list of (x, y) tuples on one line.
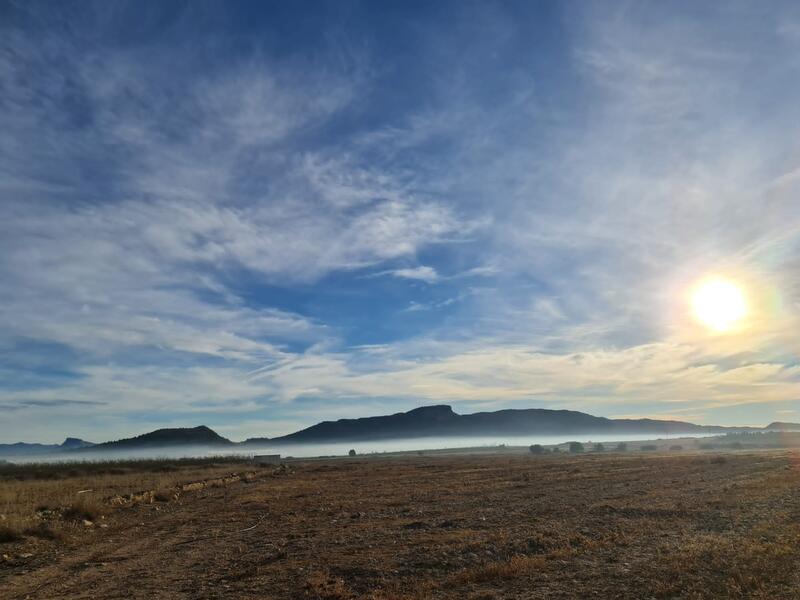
[(719, 304)]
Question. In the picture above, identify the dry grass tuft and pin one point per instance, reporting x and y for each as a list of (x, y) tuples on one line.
[(321, 586), (85, 509), (516, 566)]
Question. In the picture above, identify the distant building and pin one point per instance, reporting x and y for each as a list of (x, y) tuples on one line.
[(267, 459)]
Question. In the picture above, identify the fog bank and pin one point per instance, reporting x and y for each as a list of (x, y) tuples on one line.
[(342, 448)]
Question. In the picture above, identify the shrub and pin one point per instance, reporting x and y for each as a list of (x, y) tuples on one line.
[(84, 509), (351, 453), (622, 447), (575, 447), (537, 449), (166, 495), (599, 448), (676, 448), (45, 532), (9, 534)]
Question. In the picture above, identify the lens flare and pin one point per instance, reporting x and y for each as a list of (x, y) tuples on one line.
[(719, 304)]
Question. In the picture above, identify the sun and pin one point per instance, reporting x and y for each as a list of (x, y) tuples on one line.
[(719, 304)]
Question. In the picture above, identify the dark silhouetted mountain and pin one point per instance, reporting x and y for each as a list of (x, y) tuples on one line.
[(781, 426), (180, 436), (441, 421), (73, 443), (256, 441), (24, 449)]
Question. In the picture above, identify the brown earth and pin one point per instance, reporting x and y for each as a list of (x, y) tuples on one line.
[(478, 527)]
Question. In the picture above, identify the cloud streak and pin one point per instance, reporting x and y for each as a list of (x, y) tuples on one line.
[(193, 221)]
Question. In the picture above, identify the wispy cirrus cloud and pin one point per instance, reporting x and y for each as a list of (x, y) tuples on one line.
[(52, 403), (421, 273), (186, 227)]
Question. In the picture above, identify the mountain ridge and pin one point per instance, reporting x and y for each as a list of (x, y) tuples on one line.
[(26, 449), (442, 421), (425, 421)]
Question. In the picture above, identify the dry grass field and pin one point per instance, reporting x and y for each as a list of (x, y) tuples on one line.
[(32, 496), (635, 525)]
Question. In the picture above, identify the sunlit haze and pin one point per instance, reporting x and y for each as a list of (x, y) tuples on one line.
[(719, 304)]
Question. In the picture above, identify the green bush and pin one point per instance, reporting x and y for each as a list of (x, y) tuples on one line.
[(575, 447)]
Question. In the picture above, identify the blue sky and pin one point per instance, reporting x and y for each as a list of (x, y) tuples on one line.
[(259, 215)]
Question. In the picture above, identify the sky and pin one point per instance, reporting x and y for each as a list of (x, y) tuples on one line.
[(260, 215)]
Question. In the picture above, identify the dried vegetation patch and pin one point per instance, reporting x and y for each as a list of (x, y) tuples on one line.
[(47, 501)]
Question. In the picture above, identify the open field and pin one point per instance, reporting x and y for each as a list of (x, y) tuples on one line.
[(633, 525)]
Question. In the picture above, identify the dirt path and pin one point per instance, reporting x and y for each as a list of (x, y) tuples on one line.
[(185, 549)]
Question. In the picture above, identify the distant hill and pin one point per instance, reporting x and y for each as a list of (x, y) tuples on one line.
[(24, 449), (179, 436), (73, 443), (442, 421), (782, 426)]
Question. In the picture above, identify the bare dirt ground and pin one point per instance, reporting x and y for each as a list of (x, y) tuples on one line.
[(591, 526)]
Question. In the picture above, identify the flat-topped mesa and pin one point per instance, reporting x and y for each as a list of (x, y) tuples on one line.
[(438, 411), (72, 443)]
